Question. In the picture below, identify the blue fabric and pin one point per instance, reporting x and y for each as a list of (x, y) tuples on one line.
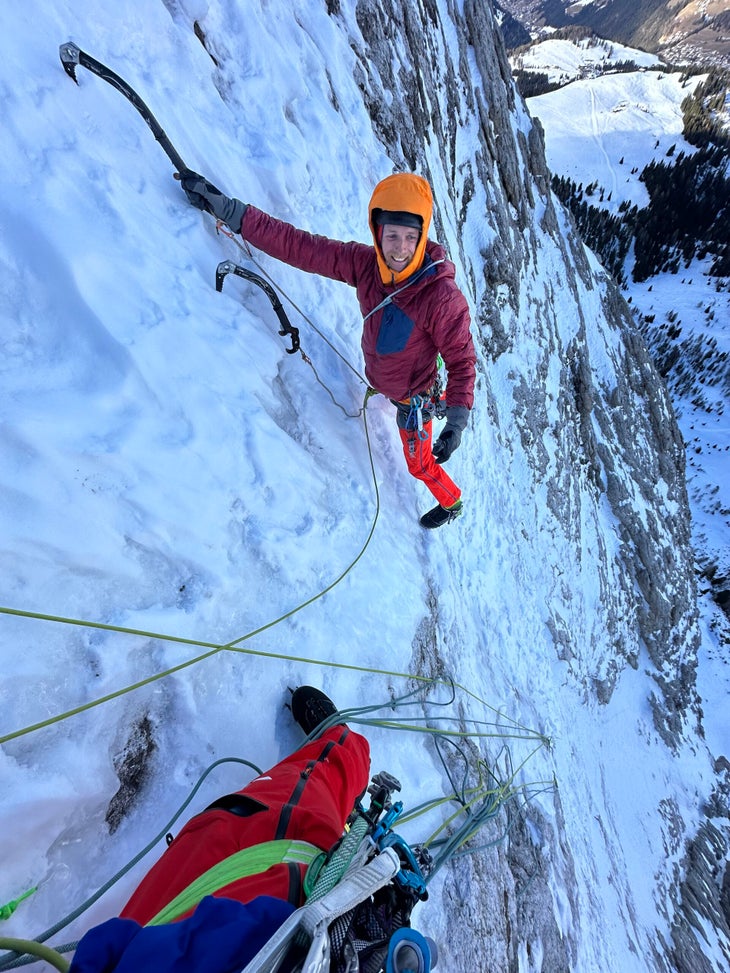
[(395, 325), (221, 936), (395, 330)]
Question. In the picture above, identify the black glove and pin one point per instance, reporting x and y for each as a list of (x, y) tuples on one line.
[(204, 195), (445, 445), (457, 417)]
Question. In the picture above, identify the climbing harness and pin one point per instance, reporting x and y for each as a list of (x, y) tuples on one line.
[(415, 421), (375, 824), (422, 408), (368, 858)]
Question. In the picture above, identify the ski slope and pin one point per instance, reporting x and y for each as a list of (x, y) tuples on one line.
[(606, 129), (564, 60)]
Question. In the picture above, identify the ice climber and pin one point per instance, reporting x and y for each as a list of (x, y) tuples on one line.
[(236, 872), (411, 306)]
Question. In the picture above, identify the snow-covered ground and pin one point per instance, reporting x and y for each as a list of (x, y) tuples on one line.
[(168, 468), (607, 129), (564, 60)]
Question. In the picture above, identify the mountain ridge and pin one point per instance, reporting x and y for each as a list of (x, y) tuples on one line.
[(681, 31), (680, 308)]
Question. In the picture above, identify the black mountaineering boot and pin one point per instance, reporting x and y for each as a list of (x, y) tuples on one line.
[(441, 515), (310, 707)]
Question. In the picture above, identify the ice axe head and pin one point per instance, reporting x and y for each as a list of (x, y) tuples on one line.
[(69, 54)]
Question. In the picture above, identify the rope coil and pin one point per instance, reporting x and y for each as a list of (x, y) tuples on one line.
[(476, 803)]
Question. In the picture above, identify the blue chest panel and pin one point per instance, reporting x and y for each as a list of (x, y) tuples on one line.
[(395, 330)]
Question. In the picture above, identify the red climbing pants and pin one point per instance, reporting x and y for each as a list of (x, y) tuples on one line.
[(424, 467), (307, 796)]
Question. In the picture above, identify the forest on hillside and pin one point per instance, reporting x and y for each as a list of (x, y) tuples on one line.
[(688, 215)]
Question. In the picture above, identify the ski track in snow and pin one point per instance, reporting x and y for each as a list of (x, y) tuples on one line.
[(600, 143)]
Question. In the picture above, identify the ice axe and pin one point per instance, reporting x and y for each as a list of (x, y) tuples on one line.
[(71, 55), (228, 267)]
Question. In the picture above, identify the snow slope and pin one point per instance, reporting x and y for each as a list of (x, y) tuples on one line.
[(608, 128), (565, 60), (169, 471)]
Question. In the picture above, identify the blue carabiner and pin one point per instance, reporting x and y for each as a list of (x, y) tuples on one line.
[(415, 417)]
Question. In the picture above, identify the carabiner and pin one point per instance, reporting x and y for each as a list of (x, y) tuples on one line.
[(415, 417)]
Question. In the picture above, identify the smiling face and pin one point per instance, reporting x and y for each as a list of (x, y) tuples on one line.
[(398, 244), (401, 203)]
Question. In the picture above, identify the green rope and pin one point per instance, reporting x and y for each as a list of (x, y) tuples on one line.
[(246, 862), (7, 962), (477, 803), (35, 949), (215, 648), (416, 698)]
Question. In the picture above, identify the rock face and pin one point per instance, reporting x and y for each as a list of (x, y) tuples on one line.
[(696, 371), (704, 899), (425, 86), (132, 765), (436, 81), (504, 898)]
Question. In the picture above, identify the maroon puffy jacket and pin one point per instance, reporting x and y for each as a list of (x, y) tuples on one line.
[(428, 313)]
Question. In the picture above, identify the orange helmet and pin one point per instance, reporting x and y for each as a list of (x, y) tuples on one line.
[(406, 200)]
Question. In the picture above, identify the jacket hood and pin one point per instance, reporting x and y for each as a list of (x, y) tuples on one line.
[(402, 192)]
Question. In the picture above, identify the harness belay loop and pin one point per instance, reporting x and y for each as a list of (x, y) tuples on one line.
[(431, 403)]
